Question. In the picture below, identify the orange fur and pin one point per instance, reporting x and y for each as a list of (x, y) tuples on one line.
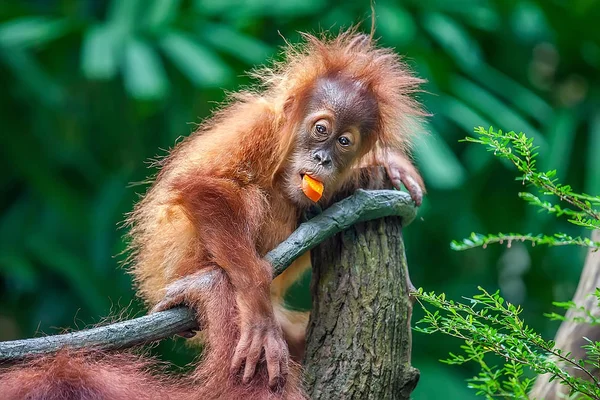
[(78, 376), (220, 203)]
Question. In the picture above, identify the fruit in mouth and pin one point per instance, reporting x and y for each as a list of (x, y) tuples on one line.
[(312, 188)]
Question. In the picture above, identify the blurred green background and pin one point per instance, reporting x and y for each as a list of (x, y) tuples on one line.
[(91, 90)]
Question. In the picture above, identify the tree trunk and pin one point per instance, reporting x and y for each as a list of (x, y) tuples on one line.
[(359, 338), (570, 335)]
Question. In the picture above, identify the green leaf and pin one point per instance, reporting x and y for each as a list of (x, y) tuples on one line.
[(395, 24), (143, 71), (475, 158), (592, 170), (529, 23), (441, 169), (124, 15), (202, 66), (159, 13), (499, 112), (31, 31), (454, 39), (259, 8), (461, 114), (560, 140), (100, 52), (246, 48), (524, 99)]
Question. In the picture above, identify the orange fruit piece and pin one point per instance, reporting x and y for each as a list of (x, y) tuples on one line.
[(312, 188)]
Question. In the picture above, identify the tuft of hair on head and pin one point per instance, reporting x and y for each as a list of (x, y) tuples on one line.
[(356, 56)]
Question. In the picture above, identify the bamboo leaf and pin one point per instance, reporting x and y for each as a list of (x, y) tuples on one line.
[(31, 31), (124, 15), (260, 8), (395, 24), (592, 170), (100, 52), (560, 142), (524, 99), (453, 38), (159, 13), (202, 66), (496, 110), (143, 71), (441, 169), (246, 48)]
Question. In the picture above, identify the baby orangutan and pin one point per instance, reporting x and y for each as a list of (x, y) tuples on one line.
[(234, 190)]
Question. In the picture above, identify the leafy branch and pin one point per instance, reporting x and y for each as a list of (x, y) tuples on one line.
[(522, 153), (558, 239), (580, 314), (490, 325)]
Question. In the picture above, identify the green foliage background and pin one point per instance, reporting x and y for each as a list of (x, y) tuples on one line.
[(90, 90)]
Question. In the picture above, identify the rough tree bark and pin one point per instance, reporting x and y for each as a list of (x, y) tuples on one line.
[(359, 340), (570, 335)]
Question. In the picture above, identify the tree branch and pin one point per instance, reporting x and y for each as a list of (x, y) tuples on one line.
[(363, 205)]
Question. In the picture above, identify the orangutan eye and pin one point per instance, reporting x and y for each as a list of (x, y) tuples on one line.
[(322, 129), (344, 141)]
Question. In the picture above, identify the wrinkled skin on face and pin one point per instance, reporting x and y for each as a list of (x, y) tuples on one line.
[(340, 118)]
